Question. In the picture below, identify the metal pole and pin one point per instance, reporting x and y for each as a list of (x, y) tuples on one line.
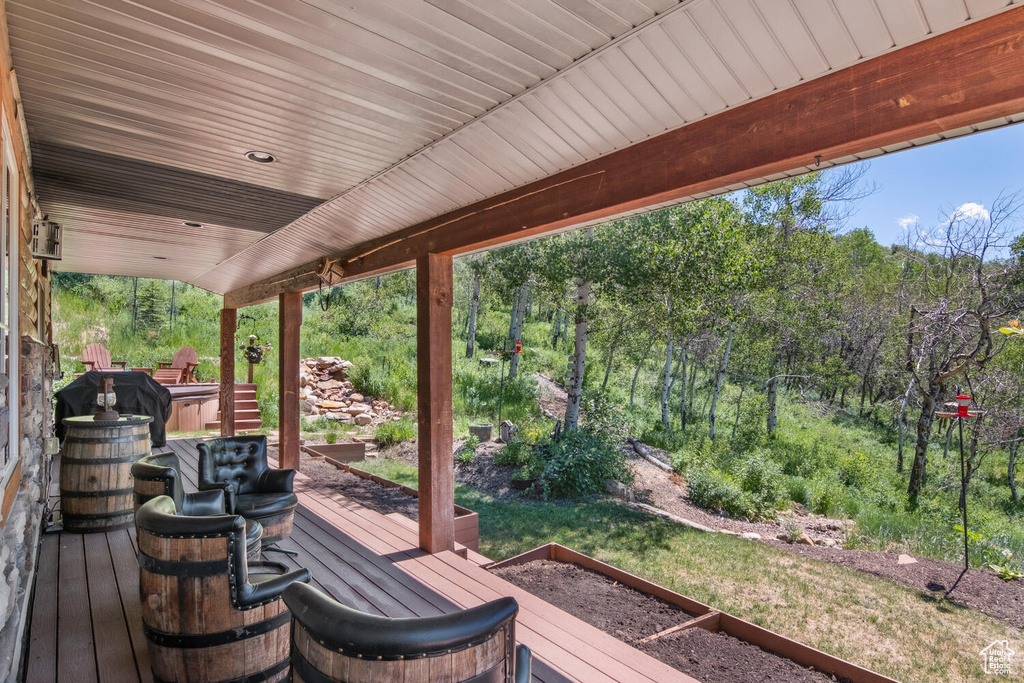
[(963, 494), (501, 383)]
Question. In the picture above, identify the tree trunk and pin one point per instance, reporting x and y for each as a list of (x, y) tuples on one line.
[(666, 378), (171, 316), (901, 426), (718, 384), (608, 362), (636, 373), (135, 304), (690, 391), (682, 389), (949, 438), (558, 328), (773, 394), (929, 401), (519, 316), (474, 305), (739, 404), (574, 378)]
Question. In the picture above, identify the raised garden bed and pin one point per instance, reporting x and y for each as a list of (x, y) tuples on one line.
[(350, 451), (467, 522), (711, 646)]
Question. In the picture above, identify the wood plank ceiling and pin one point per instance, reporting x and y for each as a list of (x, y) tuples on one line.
[(381, 114)]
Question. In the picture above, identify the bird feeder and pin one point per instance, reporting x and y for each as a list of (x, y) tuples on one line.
[(105, 400), (963, 402)]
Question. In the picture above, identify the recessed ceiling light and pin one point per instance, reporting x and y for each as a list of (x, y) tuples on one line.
[(192, 224), (160, 258), (260, 157)]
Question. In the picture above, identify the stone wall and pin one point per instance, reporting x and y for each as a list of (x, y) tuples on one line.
[(19, 535)]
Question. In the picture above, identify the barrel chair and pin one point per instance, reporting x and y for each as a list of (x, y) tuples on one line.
[(208, 614), (159, 474), (332, 642), (238, 465)]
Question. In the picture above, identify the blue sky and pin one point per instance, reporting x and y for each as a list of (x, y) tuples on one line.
[(926, 181)]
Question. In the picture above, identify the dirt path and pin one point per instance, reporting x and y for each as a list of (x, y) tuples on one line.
[(551, 397)]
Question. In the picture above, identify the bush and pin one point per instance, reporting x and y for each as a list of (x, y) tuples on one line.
[(579, 463), (827, 496), (515, 454), (761, 478), (467, 452), (714, 490), (331, 437), (391, 433)]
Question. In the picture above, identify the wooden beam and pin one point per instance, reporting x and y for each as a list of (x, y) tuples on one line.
[(289, 323), (228, 320), (966, 76), (434, 394)]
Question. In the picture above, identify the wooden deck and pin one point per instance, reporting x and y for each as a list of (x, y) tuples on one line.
[(86, 624)]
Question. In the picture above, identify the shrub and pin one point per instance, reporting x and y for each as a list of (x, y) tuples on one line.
[(515, 454), (761, 478), (826, 496), (467, 451), (397, 431), (331, 437), (579, 463), (714, 490)]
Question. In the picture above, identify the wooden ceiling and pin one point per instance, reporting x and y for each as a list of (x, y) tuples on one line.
[(383, 115)]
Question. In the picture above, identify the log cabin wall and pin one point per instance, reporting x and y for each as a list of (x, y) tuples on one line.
[(23, 488)]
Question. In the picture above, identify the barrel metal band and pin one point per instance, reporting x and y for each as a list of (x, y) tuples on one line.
[(182, 569), (204, 640), (98, 461), (81, 516), (113, 439), (257, 677), (64, 493)]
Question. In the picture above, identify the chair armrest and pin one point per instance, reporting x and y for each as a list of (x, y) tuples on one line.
[(89, 365), (122, 363), (524, 664), (146, 370), (276, 481), (160, 364), (204, 503), (264, 591)]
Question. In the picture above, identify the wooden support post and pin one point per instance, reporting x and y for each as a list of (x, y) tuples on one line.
[(228, 320), (289, 322), (434, 389)]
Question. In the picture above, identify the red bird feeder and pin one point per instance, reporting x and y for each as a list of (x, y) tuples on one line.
[(963, 402), (519, 347)]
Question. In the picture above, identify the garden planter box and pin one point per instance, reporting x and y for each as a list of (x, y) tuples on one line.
[(705, 617), (467, 522), (341, 452)]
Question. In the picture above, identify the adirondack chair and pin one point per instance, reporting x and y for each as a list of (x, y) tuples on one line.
[(179, 369), (96, 357)]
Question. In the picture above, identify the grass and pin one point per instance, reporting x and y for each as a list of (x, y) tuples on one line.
[(871, 622)]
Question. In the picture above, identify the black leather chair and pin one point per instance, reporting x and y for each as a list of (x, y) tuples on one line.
[(208, 614), (475, 645), (238, 465), (159, 474)]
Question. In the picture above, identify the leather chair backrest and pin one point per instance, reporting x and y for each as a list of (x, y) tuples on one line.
[(476, 645), (237, 462), (158, 475)]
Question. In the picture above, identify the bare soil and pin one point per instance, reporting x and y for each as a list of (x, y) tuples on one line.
[(720, 658), (981, 589), (363, 491), (630, 616), (551, 397)]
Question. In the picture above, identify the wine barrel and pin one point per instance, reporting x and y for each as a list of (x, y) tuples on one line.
[(197, 622), (95, 471)]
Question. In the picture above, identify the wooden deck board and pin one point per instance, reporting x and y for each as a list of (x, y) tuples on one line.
[(87, 624), (42, 660)]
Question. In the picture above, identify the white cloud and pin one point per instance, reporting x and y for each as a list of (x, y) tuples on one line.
[(972, 211), (908, 221)]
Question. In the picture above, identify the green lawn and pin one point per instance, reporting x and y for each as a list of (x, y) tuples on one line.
[(874, 623)]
